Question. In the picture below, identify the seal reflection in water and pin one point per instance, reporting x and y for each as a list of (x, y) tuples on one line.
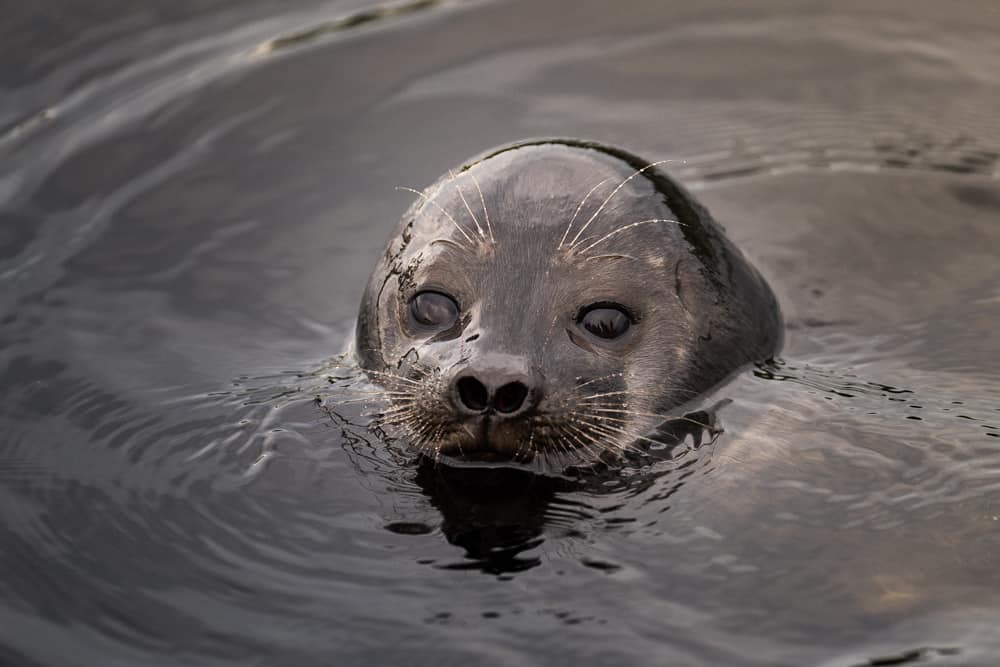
[(552, 301)]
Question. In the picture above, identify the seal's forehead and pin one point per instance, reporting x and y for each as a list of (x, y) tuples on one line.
[(549, 169), (542, 187)]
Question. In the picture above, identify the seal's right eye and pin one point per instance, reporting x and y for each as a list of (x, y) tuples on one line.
[(605, 320), (433, 310)]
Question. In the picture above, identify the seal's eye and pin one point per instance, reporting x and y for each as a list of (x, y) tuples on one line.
[(605, 320), (433, 310)]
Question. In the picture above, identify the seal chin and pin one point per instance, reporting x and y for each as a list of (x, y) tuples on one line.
[(486, 438)]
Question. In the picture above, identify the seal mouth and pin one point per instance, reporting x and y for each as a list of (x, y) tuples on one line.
[(486, 437)]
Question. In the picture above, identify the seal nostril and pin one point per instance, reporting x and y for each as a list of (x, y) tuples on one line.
[(510, 397), (472, 393)]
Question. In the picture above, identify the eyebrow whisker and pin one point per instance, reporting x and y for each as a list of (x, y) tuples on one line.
[(467, 207), (577, 212), (613, 193), (440, 208), (623, 228), (482, 200)]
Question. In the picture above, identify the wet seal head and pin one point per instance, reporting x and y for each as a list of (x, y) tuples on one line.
[(553, 300)]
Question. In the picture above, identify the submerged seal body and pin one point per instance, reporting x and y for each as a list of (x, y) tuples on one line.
[(553, 300)]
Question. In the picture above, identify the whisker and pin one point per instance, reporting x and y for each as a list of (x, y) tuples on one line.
[(625, 228), (416, 429), (609, 197), (590, 447), (626, 411), (399, 419), (607, 393), (562, 450), (422, 433), (634, 436), (482, 200), (379, 393), (351, 401), (594, 449), (626, 433), (548, 333), (394, 377), (598, 379), (532, 447), (467, 207), (619, 439), (577, 211), (440, 208), (521, 444), (662, 418), (395, 415)]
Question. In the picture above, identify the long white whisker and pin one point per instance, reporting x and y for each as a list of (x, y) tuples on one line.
[(577, 211), (621, 439), (625, 228), (482, 200), (394, 377), (613, 193), (589, 446), (448, 215), (618, 433), (608, 414), (467, 207), (608, 393), (599, 378), (627, 433)]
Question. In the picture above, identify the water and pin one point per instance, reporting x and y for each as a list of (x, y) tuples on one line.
[(192, 195)]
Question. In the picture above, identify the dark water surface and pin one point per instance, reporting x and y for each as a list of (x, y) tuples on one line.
[(192, 195)]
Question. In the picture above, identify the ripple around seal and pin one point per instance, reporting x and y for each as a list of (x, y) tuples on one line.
[(951, 463), (209, 556)]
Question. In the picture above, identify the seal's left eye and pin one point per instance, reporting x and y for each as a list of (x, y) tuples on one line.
[(605, 320), (433, 310)]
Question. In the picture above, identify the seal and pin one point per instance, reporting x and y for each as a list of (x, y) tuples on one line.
[(552, 300)]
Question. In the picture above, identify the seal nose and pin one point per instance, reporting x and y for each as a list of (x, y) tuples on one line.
[(472, 394), (510, 397), (508, 393)]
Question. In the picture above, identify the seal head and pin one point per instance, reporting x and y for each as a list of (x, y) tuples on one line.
[(555, 299)]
